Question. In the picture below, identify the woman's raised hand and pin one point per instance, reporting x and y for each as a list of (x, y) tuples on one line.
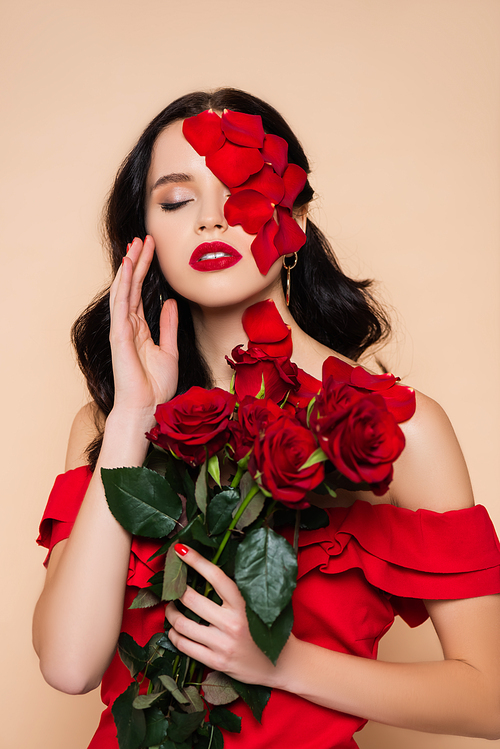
[(226, 644), (145, 374)]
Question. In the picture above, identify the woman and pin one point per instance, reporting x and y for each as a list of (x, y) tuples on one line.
[(176, 253)]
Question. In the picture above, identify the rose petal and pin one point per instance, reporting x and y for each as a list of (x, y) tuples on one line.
[(290, 237), (204, 132), (363, 379), (266, 182), (263, 249), (336, 368), (401, 402), (275, 151), (249, 208), (234, 164), (263, 324), (294, 179), (243, 129)]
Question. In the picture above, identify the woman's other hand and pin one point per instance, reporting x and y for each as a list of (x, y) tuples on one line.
[(145, 374), (226, 644)]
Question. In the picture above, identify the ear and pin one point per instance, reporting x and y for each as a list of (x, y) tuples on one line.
[(300, 217)]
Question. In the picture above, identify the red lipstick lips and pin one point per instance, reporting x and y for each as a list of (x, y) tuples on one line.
[(214, 256)]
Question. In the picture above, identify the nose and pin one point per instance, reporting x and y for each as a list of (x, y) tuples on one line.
[(211, 214)]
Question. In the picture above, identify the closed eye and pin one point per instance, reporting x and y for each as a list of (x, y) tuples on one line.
[(173, 206)]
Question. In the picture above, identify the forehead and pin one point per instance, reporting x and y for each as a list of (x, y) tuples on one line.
[(172, 153)]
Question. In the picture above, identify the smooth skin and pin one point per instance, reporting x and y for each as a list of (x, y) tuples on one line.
[(78, 617)]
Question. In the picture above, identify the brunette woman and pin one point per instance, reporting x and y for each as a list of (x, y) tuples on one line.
[(184, 275)]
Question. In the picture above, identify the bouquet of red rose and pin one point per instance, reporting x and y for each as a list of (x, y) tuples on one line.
[(282, 434)]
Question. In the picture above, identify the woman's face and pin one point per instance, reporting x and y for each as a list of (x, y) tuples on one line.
[(201, 256)]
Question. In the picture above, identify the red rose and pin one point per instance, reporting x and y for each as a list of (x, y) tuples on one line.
[(399, 399), (254, 416), (193, 423), (277, 460), (359, 435), (280, 374), (267, 355)]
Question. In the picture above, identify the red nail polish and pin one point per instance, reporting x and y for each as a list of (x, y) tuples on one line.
[(128, 247), (181, 549)]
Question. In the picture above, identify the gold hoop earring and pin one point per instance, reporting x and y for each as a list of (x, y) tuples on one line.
[(288, 268)]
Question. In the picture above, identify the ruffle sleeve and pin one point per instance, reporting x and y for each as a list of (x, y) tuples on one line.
[(408, 555), (60, 514)]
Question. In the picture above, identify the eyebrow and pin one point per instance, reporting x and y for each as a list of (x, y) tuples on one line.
[(169, 178)]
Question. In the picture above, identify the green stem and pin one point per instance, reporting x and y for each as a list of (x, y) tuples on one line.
[(251, 494), (239, 473)]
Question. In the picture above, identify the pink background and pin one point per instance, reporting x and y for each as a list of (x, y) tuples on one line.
[(397, 103)]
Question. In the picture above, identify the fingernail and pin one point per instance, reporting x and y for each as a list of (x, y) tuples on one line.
[(128, 247), (123, 260), (181, 549)]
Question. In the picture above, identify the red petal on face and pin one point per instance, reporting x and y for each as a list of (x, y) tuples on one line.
[(234, 164), (290, 237), (263, 324), (243, 129), (275, 150), (263, 248), (266, 182), (249, 208), (204, 132), (294, 179)]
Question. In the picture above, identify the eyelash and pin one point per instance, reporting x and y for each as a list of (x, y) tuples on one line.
[(173, 206)]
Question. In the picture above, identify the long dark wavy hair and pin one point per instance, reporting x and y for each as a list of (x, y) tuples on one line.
[(328, 305)]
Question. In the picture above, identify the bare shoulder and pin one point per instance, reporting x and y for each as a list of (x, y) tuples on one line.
[(431, 473), (86, 426)]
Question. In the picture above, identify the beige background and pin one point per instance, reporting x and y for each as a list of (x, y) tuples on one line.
[(397, 103)]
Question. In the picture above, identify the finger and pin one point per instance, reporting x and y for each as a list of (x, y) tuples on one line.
[(206, 609), (142, 255), (195, 650), (116, 281), (168, 327), (120, 294), (222, 584)]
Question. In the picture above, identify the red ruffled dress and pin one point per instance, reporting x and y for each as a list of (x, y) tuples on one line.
[(370, 563)]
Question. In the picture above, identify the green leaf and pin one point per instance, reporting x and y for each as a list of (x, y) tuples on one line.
[(171, 685), (221, 716), (216, 738), (318, 456), (156, 727), (218, 689), (220, 510), (251, 512), (161, 665), (175, 576), (200, 489), (310, 407), (158, 460), (142, 501), (133, 655), (130, 723), (144, 599), (214, 468), (266, 572), (142, 701), (255, 695), (262, 392), (271, 640), (183, 724), (195, 700), (199, 533)]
